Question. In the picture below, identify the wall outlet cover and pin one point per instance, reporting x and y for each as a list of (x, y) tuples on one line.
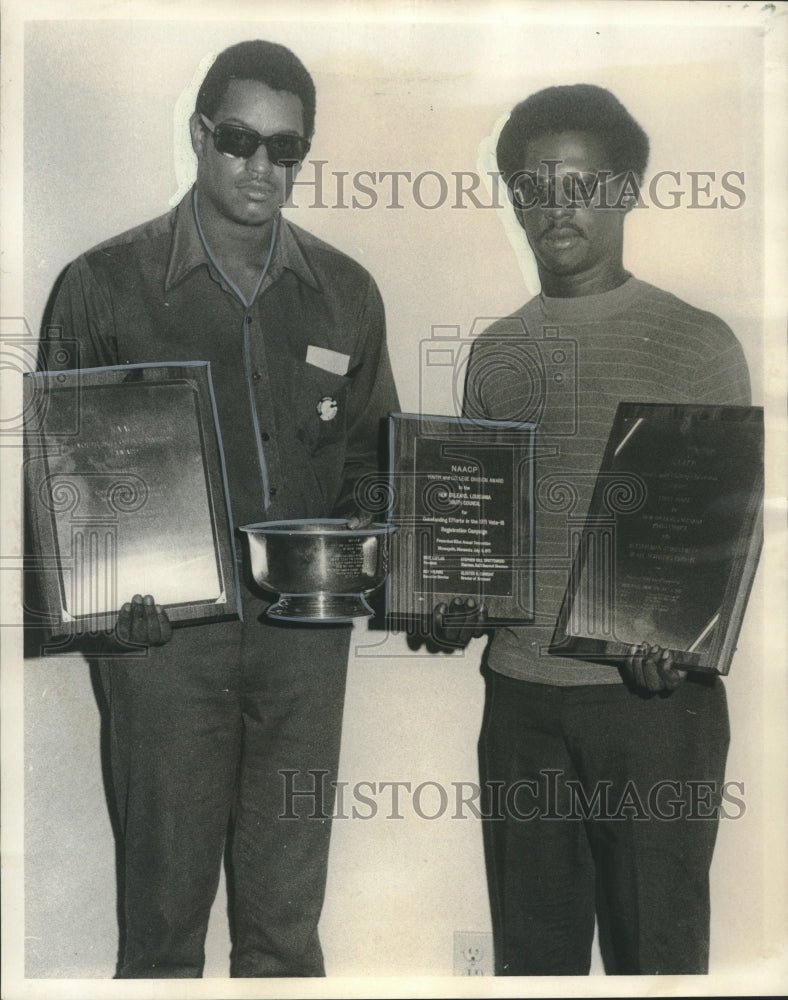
[(473, 953)]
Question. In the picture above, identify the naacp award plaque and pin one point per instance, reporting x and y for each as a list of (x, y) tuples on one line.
[(126, 493), (461, 496), (671, 543)]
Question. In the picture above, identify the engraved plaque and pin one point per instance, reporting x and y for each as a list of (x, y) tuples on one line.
[(126, 494), (672, 539), (462, 503)]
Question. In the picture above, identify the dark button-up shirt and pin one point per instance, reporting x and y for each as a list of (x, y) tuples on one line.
[(153, 295)]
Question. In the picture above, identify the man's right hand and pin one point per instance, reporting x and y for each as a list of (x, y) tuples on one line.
[(457, 623), (143, 622)]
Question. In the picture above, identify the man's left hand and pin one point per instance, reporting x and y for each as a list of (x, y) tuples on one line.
[(651, 668)]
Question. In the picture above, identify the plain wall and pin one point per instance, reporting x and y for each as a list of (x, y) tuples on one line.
[(99, 157)]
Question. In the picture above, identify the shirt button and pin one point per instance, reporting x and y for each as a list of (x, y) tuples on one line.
[(272, 491), (265, 436), (256, 377)]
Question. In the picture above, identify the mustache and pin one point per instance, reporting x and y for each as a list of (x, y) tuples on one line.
[(562, 227), (260, 186), (260, 181)]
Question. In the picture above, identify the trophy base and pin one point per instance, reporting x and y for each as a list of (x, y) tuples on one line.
[(321, 608)]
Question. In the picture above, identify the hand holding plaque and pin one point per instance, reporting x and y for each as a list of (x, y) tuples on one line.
[(143, 622), (651, 668), (460, 621)]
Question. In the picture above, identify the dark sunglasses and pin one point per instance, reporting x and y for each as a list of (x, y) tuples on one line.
[(579, 188), (235, 140)]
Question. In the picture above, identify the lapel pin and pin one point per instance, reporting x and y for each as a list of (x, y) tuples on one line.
[(327, 408)]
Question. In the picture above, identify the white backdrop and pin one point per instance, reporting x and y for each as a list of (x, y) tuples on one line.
[(104, 101)]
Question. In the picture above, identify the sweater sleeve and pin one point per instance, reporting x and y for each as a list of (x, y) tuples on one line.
[(723, 377)]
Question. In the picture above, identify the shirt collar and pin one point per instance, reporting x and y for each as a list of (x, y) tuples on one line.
[(187, 252)]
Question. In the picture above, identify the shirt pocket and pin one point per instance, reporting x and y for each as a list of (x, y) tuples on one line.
[(320, 401)]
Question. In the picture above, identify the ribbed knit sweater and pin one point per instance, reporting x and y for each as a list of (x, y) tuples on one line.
[(566, 364)]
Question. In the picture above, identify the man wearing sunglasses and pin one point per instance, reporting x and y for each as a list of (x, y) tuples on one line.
[(555, 727), (205, 728)]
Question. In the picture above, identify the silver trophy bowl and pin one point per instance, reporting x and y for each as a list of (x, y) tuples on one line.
[(322, 570)]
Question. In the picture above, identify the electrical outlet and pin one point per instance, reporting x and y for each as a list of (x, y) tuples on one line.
[(473, 953)]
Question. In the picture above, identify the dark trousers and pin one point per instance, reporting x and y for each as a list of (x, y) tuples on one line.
[(218, 728), (601, 801)]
